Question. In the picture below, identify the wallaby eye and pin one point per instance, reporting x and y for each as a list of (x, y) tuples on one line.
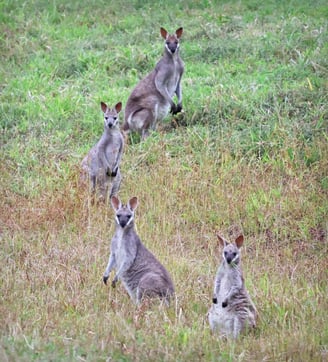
[(106, 118), (115, 118), (234, 254), (225, 253), (128, 216)]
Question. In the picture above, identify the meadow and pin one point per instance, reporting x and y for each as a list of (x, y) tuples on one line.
[(248, 154)]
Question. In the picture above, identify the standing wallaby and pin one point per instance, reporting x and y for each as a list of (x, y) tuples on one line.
[(103, 160), (143, 276), (233, 311), (151, 100)]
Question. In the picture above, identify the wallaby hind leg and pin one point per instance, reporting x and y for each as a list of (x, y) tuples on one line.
[(116, 184), (103, 193), (92, 189), (152, 286), (144, 133), (93, 181), (144, 119), (143, 292), (101, 186)]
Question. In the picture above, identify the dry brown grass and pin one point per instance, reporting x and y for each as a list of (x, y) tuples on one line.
[(55, 248)]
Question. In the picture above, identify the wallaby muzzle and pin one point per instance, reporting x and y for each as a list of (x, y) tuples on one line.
[(172, 48), (124, 220), (232, 259)]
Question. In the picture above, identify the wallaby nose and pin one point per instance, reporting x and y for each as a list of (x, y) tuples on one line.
[(229, 259), (172, 47), (123, 223)]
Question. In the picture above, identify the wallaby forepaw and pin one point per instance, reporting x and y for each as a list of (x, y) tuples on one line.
[(215, 300), (114, 283), (179, 108), (105, 279), (173, 109), (114, 172), (224, 303)]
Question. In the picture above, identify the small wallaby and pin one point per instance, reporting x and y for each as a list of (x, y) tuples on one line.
[(143, 276), (152, 98), (103, 160), (233, 311)]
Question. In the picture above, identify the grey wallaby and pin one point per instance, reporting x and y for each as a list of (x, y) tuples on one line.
[(142, 275), (102, 162), (152, 98), (233, 311)]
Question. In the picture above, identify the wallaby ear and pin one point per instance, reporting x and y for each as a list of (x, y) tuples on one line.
[(133, 203), (118, 107), (179, 32), (116, 203), (239, 241), (221, 240), (163, 33), (103, 106)]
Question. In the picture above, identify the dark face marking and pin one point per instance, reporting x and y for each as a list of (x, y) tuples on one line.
[(230, 253), (124, 216), (172, 43), (110, 118)]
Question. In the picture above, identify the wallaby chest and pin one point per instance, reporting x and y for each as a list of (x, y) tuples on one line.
[(124, 245), (109, 147), (118, 246), (228, 277), (173, 71)]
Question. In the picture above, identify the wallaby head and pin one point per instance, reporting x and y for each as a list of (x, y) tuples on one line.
[(111, 114), (231, 252), (124, 214), (172, 40)]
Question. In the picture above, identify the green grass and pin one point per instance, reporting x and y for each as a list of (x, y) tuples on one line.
[(249, 154)]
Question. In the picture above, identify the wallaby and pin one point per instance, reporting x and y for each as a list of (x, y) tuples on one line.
[(233, 311), (143, 276), (151, 99), (103, 160)]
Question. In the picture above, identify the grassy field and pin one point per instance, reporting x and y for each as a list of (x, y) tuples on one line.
[(249, 154)]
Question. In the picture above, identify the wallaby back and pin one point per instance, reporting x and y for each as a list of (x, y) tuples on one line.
[(152, 98), (103, 160), (233, 311), (142, 275)]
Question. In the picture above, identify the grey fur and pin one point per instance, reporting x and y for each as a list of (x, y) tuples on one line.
[(233, 311), (140, 272), (151, 100), (103, 160)]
